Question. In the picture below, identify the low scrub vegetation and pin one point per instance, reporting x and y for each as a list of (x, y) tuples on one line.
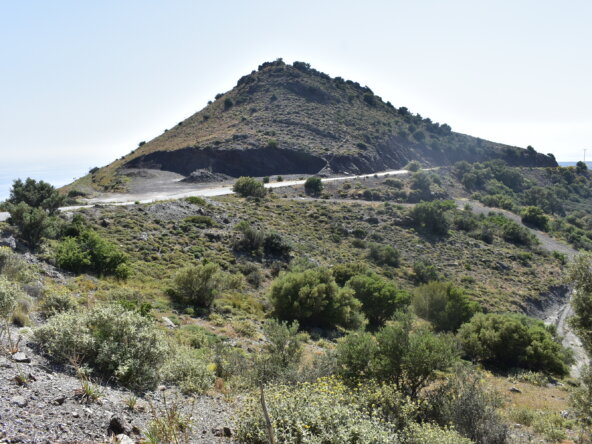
[(115, 342)]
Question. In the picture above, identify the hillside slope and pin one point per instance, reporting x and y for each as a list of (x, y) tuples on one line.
[(292, 119)]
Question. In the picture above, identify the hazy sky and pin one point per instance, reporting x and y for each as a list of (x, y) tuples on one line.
[(83, 82)]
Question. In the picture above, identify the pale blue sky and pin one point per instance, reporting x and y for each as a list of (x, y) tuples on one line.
[(81, 82)]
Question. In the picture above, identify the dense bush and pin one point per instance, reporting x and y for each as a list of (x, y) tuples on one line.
[(249, 187), (55, 303), (536, 217), (384, 254), (380, 298), (280, 357), (9, 294), (444, 305), (344, 272), (432, 216), (189, 370), (90, 252), (399, 354), (115, 342), (424, 272), (199, 285), (32, 223), (35, 194), (413, 166), (313, 186), (312, 298), (257, 242), (513, 341), (463, 402), (329, 412)]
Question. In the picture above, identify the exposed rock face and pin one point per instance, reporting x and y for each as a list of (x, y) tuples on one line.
[(234, 163)]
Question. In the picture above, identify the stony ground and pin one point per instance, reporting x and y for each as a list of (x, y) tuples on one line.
[(48, 408)]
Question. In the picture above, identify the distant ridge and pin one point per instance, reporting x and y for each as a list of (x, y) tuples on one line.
[(292, 119)]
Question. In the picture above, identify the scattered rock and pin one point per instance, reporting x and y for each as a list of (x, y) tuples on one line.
[(225, 432), (21, 357), (118, 425), (168, 323), (515, 390), (9, 242), (19, 401), (59, 401), (124, 439), (205, 176)]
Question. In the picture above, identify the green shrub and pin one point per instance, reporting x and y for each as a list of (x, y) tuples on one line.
[(188, 368), (380, 298), (115, 342), (90, 252), (432, 216), (312, 298), (424, 272), (463, 403), (444, 305), (32, 223), (344, 272), (249, 187), (313, 186), (195, 336), (200, 221), (322, 412), (536, 217), (199, 285), (55, 303), (9, 294), (280, 357), (514, 341), (13, 267), (196, 200), (413, 166), (384, 254)]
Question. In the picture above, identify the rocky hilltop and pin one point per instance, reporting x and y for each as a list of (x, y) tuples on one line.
[(293, 119)]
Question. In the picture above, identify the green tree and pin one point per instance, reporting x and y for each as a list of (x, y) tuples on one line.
[(36, 194), (32, 223), (380, 298), (312, 298), (444, 305), (249, 187), (313, 186)]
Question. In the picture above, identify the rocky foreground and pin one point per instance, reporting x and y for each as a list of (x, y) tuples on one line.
[(43, 403)]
